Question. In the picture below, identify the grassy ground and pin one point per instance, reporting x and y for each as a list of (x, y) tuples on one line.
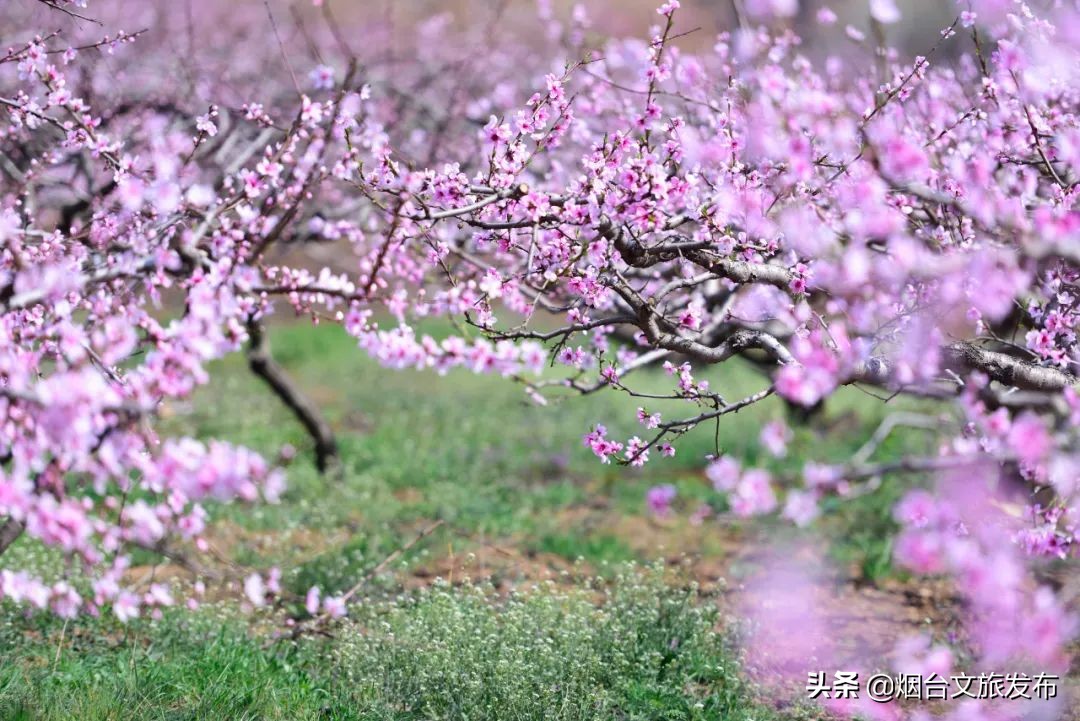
[(522, 504), (649, 651)]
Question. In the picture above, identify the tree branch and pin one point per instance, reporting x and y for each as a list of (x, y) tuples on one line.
[(739, 271), (1001, 367), (1010, 370), (9, 533), (263, 365)]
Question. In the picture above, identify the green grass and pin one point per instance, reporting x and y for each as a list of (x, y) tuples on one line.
[(183, 667), (636, 648), (496, 469), (597, 548), (646, 651)]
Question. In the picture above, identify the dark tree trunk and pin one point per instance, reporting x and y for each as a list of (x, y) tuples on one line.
[(262, 364), (9, 533)]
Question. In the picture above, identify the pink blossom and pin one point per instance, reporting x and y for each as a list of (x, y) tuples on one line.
[(335, 607), (322, 77), (813, 376), (637, 452), (772, 8), (668, 8), (723, 473), (775, 436), (205, 124), (66, 602), (919, 551), (660, 499), (1029, 438), (753, 494), (126, 606), (691, 317), (649, 420), (884, 11), (598, 442), (801, 507), (312, 600), (822, 477), (903, 160), (255, 590), (918, 509)]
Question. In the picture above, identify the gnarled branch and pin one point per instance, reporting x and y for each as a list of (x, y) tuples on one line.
[(1001, 367)]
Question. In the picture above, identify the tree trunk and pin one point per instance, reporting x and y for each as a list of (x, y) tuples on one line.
[(262, 364), (9, 533)]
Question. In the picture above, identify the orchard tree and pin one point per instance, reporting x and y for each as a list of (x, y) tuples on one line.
[(125, 199), (904, 226)]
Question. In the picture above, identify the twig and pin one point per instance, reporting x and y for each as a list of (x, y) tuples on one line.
[(281, 45), (390, 559), (60, 646), (911, 420), (71, 13)]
